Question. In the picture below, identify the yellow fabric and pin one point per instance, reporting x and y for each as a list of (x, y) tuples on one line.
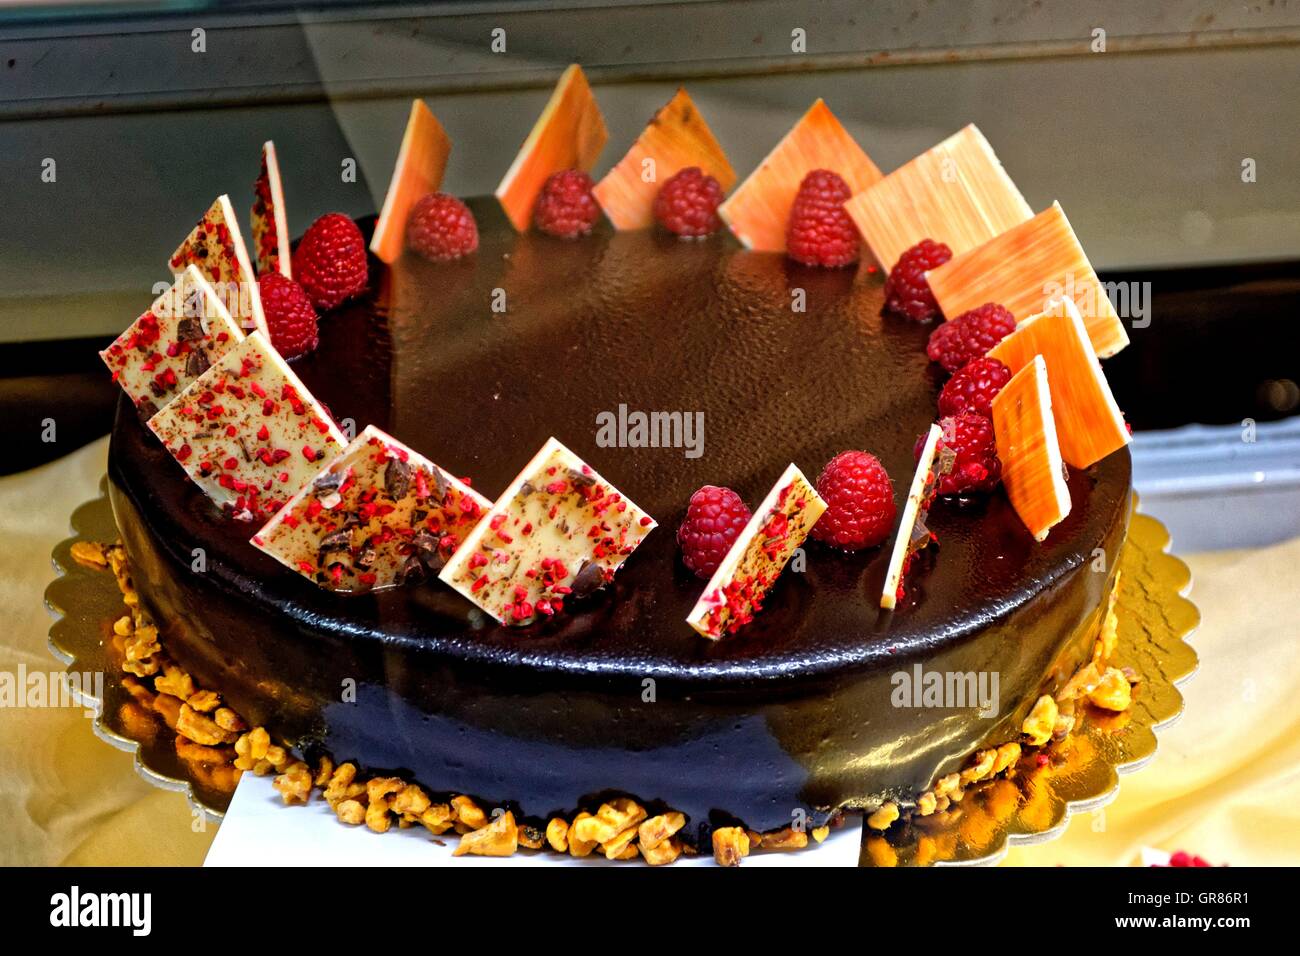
[(1225, 783)]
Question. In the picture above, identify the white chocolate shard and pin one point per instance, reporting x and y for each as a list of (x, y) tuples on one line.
[(177, 340), (919, 496), (558, 532), (248, 432), (756, 558), (217, 248), (377, 516), (270, 222)]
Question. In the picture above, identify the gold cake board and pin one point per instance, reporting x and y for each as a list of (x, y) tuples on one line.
[(1031, 804)]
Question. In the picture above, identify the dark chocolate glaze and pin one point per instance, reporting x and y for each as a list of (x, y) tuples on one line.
[(791, 713)]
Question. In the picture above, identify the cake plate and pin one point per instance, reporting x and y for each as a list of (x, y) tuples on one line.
[(1033, 804)]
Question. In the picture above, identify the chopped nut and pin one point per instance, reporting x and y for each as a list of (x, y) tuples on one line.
[(468, 812), (252, 747), (665, 852), (295, 783), (227, 719), (1040, 723), (437, 819), (379, 795), (351, 812), (609, 820), (614, 848), (787, 839), (89, 553), (204, 701), (176, 682), (577, 845), (629, 852), (498, 838), (201, 729), (882, 818), (531, 836), (557, 835), (983, 766), (1113, 692), (947, 785), (411, 801), (1008, 754), (730, 845), (926, 803), (654, 831), (122, 627), (821, 833), (342, 785), (324, 770)]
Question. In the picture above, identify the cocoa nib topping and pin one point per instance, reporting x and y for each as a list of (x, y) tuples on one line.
[(340, 540), (397, 479), (189, 330), (147, 408), (329, 481), (579, 479), (426, 549), (526, 489), (590, 578), (197, 363)]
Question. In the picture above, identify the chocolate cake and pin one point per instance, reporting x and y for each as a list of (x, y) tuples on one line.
[(618, 695)]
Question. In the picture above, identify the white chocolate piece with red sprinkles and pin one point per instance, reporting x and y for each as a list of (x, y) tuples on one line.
[(377, 516), (269, 220), (558, 532), (177, 340), (756, 558), (217, 248), (248, 432), (906, 542)]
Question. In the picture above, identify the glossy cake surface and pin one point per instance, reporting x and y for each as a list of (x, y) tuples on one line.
[(618, 693)]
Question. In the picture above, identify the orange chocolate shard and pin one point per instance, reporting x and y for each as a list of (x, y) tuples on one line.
[(1089, 424), (1032, 469), (569, 134), (421, 163), (956, 193), (1026, 267), (919, 496), (759, 210), (756, 558), (269, 220), (676, 138), (379, 515)]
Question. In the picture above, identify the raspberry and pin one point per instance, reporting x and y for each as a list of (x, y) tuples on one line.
[(907, 292), (566, 207), (973, 386), (859, 501), (820, 232), (330, 261), (289, 315), (441, 228), (1181, 858), (976, 468), (713, 519), (970, 335), (688, 202)]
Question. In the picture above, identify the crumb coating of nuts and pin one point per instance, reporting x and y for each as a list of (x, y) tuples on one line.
[(209, 733)]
